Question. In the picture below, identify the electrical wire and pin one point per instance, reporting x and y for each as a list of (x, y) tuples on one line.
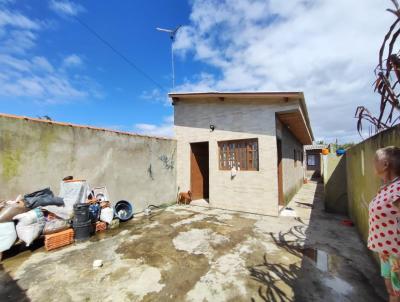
[(120, 54)]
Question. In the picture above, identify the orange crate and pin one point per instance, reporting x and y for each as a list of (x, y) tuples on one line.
[(56, 240), (101, 226)]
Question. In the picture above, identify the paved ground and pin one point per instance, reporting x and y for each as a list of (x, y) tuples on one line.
[(188, 253)]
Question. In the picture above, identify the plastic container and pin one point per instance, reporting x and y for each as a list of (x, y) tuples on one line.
[(81, 212), (325, 151), (123, 210), (83, 230), (340, 152)]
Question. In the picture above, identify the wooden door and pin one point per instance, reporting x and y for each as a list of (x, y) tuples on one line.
[(199, 170), (280, 173)]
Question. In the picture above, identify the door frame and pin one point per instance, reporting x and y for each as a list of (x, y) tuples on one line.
[(191, 155), (281, 199)]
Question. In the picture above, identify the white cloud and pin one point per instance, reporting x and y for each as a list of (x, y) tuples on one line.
[(41, 63), (66, 8), (156, 96), (73, 60), (17, 20), (23, 74), (164, 129), (328, 49)]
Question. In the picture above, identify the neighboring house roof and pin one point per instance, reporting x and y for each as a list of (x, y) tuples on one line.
[(315, 147), (297, 121)]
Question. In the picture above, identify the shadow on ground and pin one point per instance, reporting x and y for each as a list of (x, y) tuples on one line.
[(10, 291), (327, 270)]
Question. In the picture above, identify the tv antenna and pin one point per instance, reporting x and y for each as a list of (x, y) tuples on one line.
[(171, 33)]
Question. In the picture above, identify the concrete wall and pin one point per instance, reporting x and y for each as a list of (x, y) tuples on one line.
[(36, 154), (362, 184), (293, 171), (251, 191), (335, 183)]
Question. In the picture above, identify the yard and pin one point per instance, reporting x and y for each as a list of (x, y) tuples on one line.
[(191, 253)]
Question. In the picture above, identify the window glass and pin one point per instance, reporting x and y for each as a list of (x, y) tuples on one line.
[(239, 154), (311, 160)]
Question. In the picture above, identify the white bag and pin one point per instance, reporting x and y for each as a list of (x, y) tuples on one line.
[(28, 233), (107, 215), (7, 235), (33, 216), (72, 192)]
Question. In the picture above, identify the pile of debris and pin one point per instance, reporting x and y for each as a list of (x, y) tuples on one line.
[(76, 214)]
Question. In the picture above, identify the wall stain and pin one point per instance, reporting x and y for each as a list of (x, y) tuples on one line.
[(47, 136), (11, 162), (10, 157), (169, 162), (150, 172)]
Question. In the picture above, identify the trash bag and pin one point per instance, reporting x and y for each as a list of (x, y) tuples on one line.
[(94, 212), (7, 235), (55, 225), (33, 216), (42, 198), (8, 212), (28, 233), (107, 215)]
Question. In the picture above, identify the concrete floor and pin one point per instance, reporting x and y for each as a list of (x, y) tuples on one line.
[(191, 253)]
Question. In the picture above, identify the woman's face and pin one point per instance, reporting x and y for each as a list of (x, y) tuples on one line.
[(380, 166)]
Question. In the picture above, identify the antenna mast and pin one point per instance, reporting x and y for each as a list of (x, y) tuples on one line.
[(172, 33)]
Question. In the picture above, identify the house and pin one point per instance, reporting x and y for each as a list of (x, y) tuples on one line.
[(241, 151), (313, 160)]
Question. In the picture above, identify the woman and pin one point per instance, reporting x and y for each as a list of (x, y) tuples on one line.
[(384, 219)]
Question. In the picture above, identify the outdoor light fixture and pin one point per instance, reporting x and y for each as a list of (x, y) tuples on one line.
[(212, 127)]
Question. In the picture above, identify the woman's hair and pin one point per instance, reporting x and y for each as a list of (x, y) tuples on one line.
[(392, 155)]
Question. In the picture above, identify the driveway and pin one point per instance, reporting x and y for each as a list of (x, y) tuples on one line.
[(191, 253)]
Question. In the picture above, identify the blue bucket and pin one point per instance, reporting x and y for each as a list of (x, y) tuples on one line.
[(340, 152), (123, 210)]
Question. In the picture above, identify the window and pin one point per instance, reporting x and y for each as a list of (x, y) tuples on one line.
[(241, 154), (311, 160)]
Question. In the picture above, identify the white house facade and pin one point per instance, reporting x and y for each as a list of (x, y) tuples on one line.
[(241, 151)]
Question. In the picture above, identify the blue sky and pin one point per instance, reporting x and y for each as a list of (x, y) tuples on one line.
[(110, 93), (51, 65)]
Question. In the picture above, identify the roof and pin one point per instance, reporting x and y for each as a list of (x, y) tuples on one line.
[(291, 119), (261, 94), (78, 126), (315, 147)]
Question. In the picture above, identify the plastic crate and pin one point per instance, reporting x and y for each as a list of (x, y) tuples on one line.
[(56, 240)]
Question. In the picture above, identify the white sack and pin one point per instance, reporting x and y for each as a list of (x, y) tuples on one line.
[(28, 233), (107, 215), (33, 216), (7, 235), (72, 192)]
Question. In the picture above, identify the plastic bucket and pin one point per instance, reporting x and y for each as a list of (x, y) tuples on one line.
[(81, 212), (83, 230), (123, 210), (340, 152)]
